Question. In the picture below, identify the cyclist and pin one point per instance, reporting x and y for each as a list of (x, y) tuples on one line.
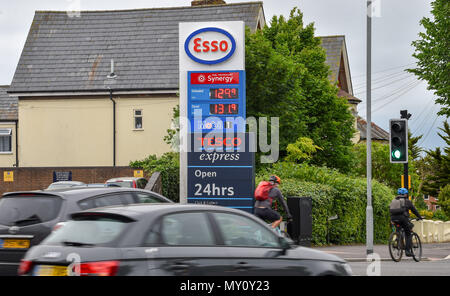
[(265, 193), (399, 210)]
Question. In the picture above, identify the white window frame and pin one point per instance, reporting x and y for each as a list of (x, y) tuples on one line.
[(7, 132), (138, 116)]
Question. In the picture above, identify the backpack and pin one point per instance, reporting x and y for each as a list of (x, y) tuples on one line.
[(397, 206), (262, 191)]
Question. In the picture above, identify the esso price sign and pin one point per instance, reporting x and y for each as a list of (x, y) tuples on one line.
[(210, 45)]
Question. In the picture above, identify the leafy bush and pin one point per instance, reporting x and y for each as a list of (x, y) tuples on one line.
[(347, 199), (322, 203), (444, 199), (425, 214), (169, 167), (440, 215)]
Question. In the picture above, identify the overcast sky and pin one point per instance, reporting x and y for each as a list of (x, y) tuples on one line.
[(395, 26)]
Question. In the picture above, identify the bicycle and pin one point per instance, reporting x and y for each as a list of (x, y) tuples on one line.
[(281, 232), (397, 243)]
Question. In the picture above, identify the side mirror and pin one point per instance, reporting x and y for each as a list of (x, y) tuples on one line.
[(284, 244)]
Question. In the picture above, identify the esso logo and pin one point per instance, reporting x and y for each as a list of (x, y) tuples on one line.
[(210, 46)]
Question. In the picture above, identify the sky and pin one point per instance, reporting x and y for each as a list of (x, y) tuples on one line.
[(394, 26)]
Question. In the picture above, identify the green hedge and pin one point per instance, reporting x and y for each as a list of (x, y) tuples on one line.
[(346, 198), (332, 193), (169, 167)]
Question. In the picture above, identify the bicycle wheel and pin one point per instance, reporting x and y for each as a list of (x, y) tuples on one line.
[(395, 246), (416, 247)]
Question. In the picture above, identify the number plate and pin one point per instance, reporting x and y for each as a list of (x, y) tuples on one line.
[(14, 243), (50, 270)]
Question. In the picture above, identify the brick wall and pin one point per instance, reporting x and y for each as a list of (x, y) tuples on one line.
[(39, 178)]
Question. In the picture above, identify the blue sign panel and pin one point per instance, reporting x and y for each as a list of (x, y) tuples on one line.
[(220, 175), (62, 176), (220, 164), (216, 101)]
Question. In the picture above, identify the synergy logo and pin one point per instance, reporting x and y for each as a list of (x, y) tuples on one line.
[(210, 46)]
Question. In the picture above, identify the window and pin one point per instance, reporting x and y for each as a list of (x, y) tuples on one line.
[(140, 183), (88, 230), (148, 198), (28, 209), (106, 200), (138, 119), (187, 229), (5, 140), (241, 231), (425, 196)]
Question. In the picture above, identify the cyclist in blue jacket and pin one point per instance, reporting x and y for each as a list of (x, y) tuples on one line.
[(400, 216)]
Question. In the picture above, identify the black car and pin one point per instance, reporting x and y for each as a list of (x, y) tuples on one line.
[(173, 239), (26, 218)]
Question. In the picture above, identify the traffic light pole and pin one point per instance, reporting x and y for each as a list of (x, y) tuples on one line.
[(406, 177), (406, 115)]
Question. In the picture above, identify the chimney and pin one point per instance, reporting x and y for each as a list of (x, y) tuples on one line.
[(207, 2)]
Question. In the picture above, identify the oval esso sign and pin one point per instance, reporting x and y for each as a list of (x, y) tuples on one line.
[(210, 46)]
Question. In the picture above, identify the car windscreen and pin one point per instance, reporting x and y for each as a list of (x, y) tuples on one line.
[(128, 184), (28, 209), (87, 231)]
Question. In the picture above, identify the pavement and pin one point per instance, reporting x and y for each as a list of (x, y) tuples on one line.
[(357, 253)]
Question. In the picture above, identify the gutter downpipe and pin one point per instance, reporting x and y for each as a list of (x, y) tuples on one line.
[(17, 144), (114, 126)]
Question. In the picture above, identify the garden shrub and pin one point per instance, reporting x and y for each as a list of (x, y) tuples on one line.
[(169, 167), (348, 200)]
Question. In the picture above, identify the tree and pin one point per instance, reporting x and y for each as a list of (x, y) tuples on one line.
[(382, 169), (436, 166), (302, 150), (287, 78), (444, 199), (433, 54), (414, 148)]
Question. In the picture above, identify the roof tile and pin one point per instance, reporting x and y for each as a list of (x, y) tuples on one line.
[(61, 52)]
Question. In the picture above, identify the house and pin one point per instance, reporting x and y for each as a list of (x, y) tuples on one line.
[(98, 89), (8, 128), (378, 134), (337, 60), (431, 202)]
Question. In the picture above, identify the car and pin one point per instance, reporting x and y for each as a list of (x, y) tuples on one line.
[(173, 240), (90, 185), (64, 184), (129, 182), (26, 218)]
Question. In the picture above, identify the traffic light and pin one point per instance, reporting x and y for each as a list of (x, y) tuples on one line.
[(398, 140)]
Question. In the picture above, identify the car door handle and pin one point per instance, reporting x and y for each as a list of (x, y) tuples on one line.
[(179, 266), (242, 266)]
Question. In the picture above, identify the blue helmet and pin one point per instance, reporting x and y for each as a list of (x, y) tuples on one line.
[(402, 191)]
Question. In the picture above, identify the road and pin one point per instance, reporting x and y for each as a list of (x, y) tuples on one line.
[(403, 268), (436, 260)]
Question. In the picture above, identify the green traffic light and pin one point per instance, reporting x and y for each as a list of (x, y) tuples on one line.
[(396, 154)]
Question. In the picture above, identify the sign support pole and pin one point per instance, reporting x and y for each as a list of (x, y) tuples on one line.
[(369, 209)]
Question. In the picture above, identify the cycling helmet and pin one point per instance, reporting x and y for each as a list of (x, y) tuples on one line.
[(275, 179), (402, 191)]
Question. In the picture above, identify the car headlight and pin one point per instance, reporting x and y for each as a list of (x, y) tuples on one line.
[(347, 269)]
